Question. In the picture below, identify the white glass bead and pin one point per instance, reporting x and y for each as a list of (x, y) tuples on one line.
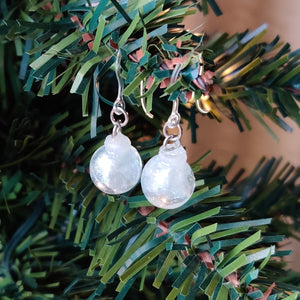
[(116, 167), (167, 179)]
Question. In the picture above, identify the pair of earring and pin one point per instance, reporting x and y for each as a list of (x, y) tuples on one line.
[(167, 179)]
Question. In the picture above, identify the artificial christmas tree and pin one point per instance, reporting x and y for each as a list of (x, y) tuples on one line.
[(62, 238)]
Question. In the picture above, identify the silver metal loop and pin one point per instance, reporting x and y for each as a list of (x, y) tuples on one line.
[(172, 137), (119, 107), (171, 143), (119, 111)]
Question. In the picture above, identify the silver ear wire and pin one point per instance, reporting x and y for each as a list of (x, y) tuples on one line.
[(201, 64), (174, 118), (198, 102), (119, 104), (143, 101)]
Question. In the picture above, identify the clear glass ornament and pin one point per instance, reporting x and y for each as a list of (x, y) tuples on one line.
[(116, 167), (167, 179)]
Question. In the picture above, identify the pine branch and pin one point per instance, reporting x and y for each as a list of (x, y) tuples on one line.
[(73, 44), (260, 75)]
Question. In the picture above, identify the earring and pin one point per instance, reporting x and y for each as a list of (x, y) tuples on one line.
[(116, 167), (167, 179)]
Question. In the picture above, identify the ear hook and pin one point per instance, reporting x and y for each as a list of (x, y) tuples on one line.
[(175, 102), (119, 104), (174, 118), (198, 102), (143, 101), (175, 106), (119, 100)]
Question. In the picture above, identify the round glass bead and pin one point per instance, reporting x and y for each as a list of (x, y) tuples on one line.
[(167, 179), (116, 167)]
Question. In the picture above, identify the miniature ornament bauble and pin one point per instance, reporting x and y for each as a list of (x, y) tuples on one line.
[(167, 179), (116, 167)]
